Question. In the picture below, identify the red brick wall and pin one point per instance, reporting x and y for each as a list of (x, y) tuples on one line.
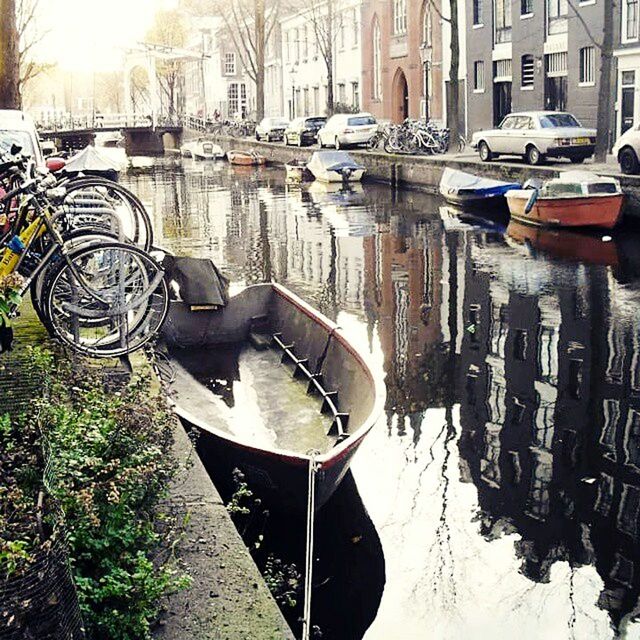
[(409, 64)]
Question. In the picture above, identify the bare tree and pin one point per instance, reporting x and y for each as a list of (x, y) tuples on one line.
[(9, 57), (250, 25), (605, 89), (29, 35)]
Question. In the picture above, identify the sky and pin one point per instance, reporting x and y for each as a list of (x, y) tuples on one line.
[(86, 35)]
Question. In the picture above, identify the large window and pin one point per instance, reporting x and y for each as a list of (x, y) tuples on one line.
[(477, 11), (502, 11), (557, 11), (376, 92), (526, 7), (426, 25), (527, 71), (630, 19), (588, 65), (237, 99), (478, 75), (356, 28), (399, 17), (230, 64)]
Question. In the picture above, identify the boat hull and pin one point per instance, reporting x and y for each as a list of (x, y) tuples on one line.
[(323, 348), (245, 159), (335, 176), (585, 211)]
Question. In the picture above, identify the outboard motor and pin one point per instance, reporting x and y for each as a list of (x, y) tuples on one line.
[(533, 183)]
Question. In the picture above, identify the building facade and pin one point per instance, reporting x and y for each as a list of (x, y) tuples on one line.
[(304, 65), (627, 55), (532, 54), (402, 66)]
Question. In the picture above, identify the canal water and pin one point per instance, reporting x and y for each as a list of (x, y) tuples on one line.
[(499, 496)]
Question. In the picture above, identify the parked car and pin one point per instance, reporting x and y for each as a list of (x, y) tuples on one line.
[(16, 127), (537, 135), (303, 131), (627, 151), (271, 129), (347, 129)]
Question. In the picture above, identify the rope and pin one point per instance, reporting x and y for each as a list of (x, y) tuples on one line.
[(308, 573)]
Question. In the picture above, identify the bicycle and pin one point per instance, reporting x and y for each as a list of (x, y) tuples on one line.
[(101, 296)]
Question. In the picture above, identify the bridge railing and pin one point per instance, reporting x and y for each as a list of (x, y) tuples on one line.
[(107, 121)]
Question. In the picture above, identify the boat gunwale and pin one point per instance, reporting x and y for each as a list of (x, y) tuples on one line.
[(337, 452)]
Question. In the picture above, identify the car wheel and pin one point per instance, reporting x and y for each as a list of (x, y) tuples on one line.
[(257, 136), (485, 152), (299, 140), (628, 161), (337, 144), (577, 160), (533, 155), (286, 141)]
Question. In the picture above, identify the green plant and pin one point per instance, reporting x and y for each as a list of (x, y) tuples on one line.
[(284, 581)]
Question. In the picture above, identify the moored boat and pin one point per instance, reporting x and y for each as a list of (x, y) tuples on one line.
[(574, 199), (335, 166), (268, 380), (296, 171), (464, 189), (245, 158), (201, 149)]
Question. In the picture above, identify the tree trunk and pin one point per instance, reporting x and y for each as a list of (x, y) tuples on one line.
[(260, 46), (453, 96), (329, 59), (605, 90), (9, 57)]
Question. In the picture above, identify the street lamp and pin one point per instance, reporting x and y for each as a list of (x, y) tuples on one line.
[(292, 73), (425, 59)]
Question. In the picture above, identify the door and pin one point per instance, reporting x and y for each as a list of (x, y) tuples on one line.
[(555, 93), (501, 101), (627, 102)]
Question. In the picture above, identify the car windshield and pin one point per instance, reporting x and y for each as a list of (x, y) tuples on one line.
[(21, 138), (279, 123), (558, 120), (315, 122), (360, 121)]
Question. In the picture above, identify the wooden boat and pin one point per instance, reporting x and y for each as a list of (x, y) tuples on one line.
[(296, 172), (201, 149), (267, 380), (574, 199), (464, 189), (565, 244), (335, 166), (245, 158)]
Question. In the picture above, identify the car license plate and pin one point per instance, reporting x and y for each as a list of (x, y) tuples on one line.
[(581, 141)]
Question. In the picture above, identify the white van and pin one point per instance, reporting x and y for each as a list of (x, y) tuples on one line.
[(16, 127), (347, 129)]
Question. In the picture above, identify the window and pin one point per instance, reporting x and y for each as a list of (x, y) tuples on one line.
[(355, 95), (526, 7), (342, 92), (287, 50), (478, 75), (237, 98), (527, 70), (557, 16), (376, 92), (399, 17), (297, 44), (502, 11), (426, 25), (356, 28), (341, 30), (230, 64), (630, 19), (477, 12), (588, 65), (316, 99), (305, 45)]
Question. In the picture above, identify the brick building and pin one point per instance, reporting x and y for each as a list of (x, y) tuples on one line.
[(401, 57)]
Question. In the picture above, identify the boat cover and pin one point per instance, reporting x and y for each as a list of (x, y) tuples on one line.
[(454, 181), (333, 161), (199, 280), (90, 160)]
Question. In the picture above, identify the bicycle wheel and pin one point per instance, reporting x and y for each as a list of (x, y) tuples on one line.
[(106, 300), (96, 202)]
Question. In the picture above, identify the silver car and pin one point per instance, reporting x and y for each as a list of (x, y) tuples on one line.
[(271, 129), (537, 135)]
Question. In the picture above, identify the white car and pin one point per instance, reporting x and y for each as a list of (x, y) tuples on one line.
[(536, 135), (271, 129), (345, 129), (16, 127), (627, 151)]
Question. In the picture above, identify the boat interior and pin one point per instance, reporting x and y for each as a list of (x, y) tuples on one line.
[(268, 371)]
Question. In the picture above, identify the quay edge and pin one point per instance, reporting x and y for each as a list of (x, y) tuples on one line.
[(424, 172)]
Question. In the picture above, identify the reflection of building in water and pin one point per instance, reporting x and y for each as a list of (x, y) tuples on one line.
[(403, 290), (549, 398)]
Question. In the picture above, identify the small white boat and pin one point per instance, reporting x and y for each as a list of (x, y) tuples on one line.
[(335, 166), (464, 189), (296, 172), (201, 149)]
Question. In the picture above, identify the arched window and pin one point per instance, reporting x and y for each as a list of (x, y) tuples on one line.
[(377, 76), (426, 24)]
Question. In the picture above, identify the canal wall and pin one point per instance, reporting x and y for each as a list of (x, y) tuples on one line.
[(425, 172)]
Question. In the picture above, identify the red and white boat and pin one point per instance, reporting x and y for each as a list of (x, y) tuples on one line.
[(245, 158), (269, 383), (574, 199)]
